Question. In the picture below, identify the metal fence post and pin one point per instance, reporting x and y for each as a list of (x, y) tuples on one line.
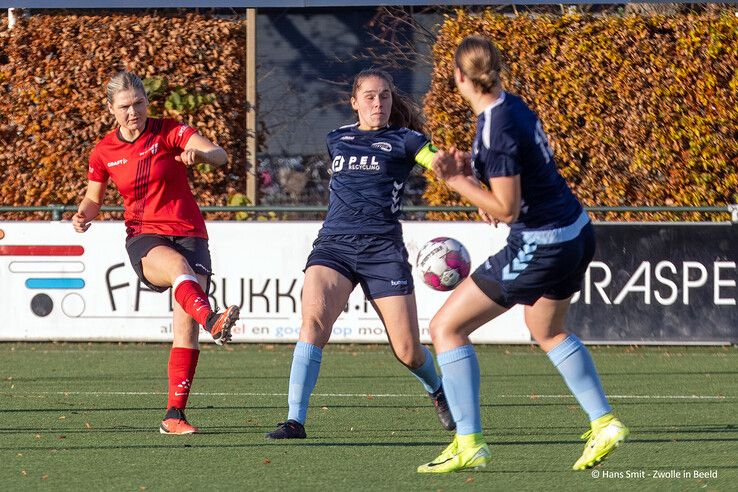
[(733, 209), (56, 211)]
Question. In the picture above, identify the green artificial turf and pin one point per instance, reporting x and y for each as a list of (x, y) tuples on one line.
[(86, 417)]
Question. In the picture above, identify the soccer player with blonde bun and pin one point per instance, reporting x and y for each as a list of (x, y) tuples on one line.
[(166, 241), (550, 245)]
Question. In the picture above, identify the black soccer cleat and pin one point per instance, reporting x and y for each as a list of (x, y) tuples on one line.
[(292, 429), (442, 409)]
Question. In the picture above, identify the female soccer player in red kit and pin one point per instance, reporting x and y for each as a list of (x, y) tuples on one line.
[(166, 237)]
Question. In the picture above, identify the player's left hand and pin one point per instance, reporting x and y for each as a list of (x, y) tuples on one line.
[(189, 157)]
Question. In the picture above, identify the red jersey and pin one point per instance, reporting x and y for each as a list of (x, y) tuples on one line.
[(156, 192)]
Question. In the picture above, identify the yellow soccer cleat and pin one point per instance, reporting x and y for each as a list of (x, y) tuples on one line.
[(456, 458), (606, 434)]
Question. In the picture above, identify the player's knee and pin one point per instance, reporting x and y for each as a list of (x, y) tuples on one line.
[(314, 331), (439, 329), (180, 267), (409, 354), (548, 341)]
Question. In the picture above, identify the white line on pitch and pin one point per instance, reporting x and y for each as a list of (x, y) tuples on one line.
[(358, 395)]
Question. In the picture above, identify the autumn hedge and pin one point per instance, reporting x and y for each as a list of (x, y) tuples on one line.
[(53, 69), (640, 110)]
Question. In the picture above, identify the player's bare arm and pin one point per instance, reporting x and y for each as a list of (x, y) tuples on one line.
[(201, 150), (501, 202), (90, 206)]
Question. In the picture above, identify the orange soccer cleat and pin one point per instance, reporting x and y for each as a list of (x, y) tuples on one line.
[(175, 423)]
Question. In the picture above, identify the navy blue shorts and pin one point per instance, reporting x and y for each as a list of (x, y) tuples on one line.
[(537, 264), (194, 249), (378, 264)]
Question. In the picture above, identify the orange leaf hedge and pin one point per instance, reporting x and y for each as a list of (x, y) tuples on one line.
[(53, 71), (640, 110)]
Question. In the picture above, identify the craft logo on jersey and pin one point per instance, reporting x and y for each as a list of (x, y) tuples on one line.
[(354, 163), (386, 146), (347, 137), (114, 163), (153, 149)]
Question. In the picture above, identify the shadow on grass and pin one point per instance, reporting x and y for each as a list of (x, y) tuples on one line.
[(327, 443)]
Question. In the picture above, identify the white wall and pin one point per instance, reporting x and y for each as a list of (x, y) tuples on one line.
[(256, 264)]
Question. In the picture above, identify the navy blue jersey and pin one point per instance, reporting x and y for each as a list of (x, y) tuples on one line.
[(510, 141), (369, 172)]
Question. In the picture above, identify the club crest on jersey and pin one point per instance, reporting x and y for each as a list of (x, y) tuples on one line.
[(354, 163), (153, 149), (115, 163), (182, 129), (386, 146)]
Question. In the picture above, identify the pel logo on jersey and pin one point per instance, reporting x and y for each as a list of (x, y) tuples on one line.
[(386, 146), (355, 163)]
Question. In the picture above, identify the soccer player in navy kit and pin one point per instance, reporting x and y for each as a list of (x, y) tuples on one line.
[(551, 242), (361, 243)]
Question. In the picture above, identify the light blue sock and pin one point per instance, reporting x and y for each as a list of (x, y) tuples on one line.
[(573, 361), (303, 377), (460, 370), (426, 373)]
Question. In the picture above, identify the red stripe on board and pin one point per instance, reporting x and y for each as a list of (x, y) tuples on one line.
[(69, 250)]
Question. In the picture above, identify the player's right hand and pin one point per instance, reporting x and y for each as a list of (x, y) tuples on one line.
[(80, 222), (487, 217)]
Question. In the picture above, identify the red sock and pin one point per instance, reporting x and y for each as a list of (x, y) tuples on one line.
[(182, 364), (192, 298)]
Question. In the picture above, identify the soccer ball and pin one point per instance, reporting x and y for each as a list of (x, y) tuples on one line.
[(444, 263)]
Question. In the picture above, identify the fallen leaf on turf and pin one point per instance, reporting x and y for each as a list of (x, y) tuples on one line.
[(19, 454), (62, 436), (62, 417), (37, 436), (469, 480), (24, 473), (141, 487), (369, 397), (324, 408), (87, 425), (535, 397), (44, 477), (267, 461)]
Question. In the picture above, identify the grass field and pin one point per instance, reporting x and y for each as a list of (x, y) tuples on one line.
[(85, 417)]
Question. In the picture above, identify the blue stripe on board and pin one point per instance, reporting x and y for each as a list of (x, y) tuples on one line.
[(55, 283)]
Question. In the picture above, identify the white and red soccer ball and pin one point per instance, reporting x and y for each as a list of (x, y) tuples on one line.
[(444, 263)]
